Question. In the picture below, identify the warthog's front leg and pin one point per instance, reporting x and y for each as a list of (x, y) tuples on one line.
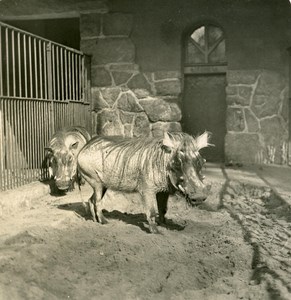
[(149, 201), (162, 201)]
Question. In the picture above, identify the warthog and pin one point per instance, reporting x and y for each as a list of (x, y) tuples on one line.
[(61, 157), (151, 166)]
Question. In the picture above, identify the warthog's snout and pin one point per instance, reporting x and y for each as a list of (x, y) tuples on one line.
[(200, 195), (63, 184)]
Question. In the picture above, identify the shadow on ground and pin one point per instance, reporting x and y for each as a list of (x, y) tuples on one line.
[(136, 219), (265, 219)]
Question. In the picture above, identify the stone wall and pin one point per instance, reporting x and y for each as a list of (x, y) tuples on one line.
[(257, 117), (126, 101)]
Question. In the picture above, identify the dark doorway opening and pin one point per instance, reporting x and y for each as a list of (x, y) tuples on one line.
[(204, 98), (63, 31), (204, 109)]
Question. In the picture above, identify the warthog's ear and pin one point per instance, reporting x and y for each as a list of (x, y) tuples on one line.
[(48, 150), (202, 140), (168, 142), (74, 146)]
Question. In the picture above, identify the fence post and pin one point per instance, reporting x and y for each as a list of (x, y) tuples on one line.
[(50, 87)]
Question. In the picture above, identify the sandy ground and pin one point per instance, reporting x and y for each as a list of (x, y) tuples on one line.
[(236, 245)]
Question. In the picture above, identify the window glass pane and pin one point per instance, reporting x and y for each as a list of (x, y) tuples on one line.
[(195, 56), (199, 36), (218, 54), (214, 34)]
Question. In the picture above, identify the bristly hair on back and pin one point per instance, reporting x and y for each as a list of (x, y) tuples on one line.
[(145, 154)]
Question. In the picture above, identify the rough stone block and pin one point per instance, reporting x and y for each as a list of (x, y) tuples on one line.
[(159, 128), (242, 147), (245, 93), (168, 87), (112, 50), (124, 67), (284, 110), (139, 81), (141, 93), (88, 46), (127, 130), (274, 131), (160, 110), (97, 100), (251, 121), (231, 90), (161, 75), (128, 102), (121, 77), (141, 125), (117, 24), (90, 25), (126, 117), (108, 123), (242, 76), (235, 119), (110, 94), (100, 77), (268, 94)]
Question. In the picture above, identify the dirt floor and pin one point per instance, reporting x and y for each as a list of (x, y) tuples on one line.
[(235, 246)]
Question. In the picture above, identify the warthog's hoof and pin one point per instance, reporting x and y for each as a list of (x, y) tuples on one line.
[(102, 219), (153, 228)]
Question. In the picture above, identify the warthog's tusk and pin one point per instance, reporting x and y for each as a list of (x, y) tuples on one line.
[(181, 188)]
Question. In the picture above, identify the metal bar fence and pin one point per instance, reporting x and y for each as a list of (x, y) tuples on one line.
[(44, 86)]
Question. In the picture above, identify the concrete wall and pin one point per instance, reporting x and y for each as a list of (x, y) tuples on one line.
[(137, 65)]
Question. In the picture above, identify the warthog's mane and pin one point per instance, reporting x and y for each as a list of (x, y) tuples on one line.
[(142, 155)]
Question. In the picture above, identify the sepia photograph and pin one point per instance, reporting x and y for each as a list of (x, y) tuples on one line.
[(145, 149)]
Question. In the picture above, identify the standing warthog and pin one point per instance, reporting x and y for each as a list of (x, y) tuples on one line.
[(61, 157), (151, 166)]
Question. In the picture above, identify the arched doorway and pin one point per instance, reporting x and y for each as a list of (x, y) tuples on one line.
[(204, 97)]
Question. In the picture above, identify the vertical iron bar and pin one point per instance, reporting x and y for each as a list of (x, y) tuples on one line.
[(30, 151), (19, 65), (1, 64), (40, 69), (35, 68), (58, 71), (17, 144), (83, 79), (73, 75), (8, 145), (7, 62), (53, 71), (45, 55), (30, 67), (80, 77), (66, 73), (50, 87), (70, 82), (20, 136), (25, 66), (2, 143), (13, 63), (62, 74)]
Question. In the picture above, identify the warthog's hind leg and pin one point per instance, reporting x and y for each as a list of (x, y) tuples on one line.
[(149, 200), (91, 205)]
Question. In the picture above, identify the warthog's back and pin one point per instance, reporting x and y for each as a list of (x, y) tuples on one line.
[(125, 163)]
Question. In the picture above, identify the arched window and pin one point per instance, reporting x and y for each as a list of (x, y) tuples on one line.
[(205, 46)]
